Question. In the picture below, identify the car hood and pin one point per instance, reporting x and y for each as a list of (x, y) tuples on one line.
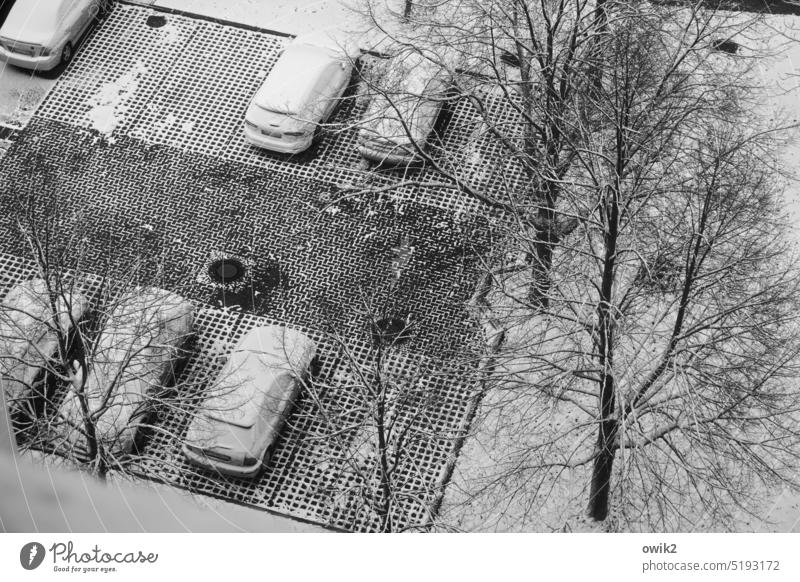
[(280, 121), (32, 24)]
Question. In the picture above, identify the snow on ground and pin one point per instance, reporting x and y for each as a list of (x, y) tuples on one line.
[(109, 104), (777, 74), (290, 16), (21, 92), (778, 78)]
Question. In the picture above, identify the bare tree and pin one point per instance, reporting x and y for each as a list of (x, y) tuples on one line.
[(91, 362), (379, 409), (650, 304), (88, 357)]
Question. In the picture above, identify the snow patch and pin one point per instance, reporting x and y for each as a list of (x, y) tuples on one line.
[(108, 106), (169, 34), (165, 124)]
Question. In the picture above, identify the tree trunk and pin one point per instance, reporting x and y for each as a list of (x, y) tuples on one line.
[(601, 472), (607, 431), (546, 238)]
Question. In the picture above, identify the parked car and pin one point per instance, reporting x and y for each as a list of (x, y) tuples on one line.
[(300, 92), (133, 363), (404, 110), (238, 425), (29, 337), (5, 8), (43, 35)]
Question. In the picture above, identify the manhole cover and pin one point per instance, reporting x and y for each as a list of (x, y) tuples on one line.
[(156, 21), (390, 330), (725, 45), (226, 270)]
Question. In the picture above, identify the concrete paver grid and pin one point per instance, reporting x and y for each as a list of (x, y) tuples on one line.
[(124, 47), (314, 261), (132, 201), (311, 474), (187, 83)]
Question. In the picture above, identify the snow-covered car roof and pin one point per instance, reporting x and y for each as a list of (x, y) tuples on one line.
[(288, 87), (141, 336), (410, 88), (259, 365), (36, 21)]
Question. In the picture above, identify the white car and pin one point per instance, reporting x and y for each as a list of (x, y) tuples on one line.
[(43, 34), (238, 425), (403, 110), (29, 338), (133, 361), (300, 92)]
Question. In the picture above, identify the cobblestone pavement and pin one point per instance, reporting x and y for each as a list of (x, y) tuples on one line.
[(172, 184)]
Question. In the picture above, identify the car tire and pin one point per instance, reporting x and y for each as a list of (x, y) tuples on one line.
[(102, 11), (265, 460), (319, 134), (66, 54)]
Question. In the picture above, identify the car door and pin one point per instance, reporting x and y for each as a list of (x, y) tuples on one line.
[(82, 15), (318, 99), (335, 85)]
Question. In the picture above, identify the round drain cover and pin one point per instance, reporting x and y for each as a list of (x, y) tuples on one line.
[(726, 45), (390, 330), (226, 270), (156, 21)]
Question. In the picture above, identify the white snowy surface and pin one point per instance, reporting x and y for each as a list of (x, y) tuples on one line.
[(776, 45), (108, 106), (21, 92), (290, 16)]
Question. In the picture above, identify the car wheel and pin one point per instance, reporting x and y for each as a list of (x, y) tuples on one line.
[(103, 9), (66, 53), (267, 458), (319, 134)]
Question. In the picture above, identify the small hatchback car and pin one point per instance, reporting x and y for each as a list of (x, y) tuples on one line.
[(300, 92), (134, 361), (43, 35), (238, 425), (29, 338), (402, 114)]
